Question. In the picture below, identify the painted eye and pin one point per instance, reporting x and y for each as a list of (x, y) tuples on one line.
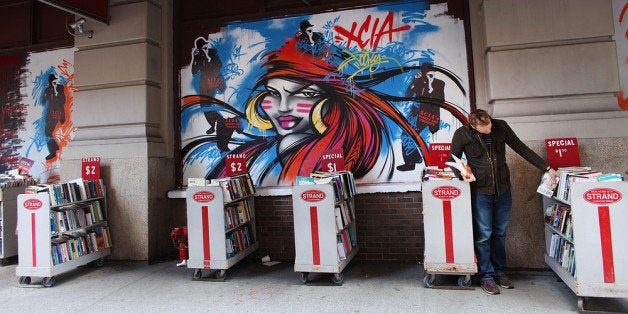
[(310, 93)]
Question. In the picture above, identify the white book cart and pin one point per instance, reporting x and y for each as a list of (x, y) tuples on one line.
[(36, 239), (595, 261), (324, 242), (216, 240), (448, 228), (8, 221)]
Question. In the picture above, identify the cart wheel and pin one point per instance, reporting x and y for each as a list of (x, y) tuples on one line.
[(303, 277), (582, 303), (428, 281), (99, 262), (338, 278), (464, 281), (197, 274), (48, 282), (25, 280), (222, 274)]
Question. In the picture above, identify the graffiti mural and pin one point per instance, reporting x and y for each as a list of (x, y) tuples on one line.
[(378, 84), (37, 96), (620, 13)]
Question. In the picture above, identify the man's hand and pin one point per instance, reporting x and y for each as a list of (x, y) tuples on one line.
[(469, 178)]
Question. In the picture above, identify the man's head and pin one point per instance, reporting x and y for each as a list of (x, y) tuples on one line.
[(480, 120), (305, 24)]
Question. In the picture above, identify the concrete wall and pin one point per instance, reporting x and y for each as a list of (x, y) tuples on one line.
[(549, 68), (124, 114)]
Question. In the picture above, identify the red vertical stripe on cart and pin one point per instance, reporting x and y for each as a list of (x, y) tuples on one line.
[(33, 240), (607, 244), (449, 241), (316, 252), (205, 219)]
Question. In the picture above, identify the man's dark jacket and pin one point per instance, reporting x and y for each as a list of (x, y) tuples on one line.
[(489, 166)]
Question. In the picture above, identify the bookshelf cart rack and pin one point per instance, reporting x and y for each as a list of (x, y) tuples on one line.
[(221, 226), (8, 221), (324, 227), (46, 252), (448, 231), (589, 252)]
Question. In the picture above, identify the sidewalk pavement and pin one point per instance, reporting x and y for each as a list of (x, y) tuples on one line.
[(250, 287)]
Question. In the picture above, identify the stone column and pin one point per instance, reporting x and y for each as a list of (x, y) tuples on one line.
[(124, 114)]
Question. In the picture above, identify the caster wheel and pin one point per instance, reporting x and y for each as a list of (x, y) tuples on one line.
[(582, 303), (428, 281), (303, 277), (25, 280), (222, 274), (337, 279), (99, 262), (463, 281), (48, 282), (197, 274)]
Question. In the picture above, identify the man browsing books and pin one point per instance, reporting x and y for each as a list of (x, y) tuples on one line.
[(483, 141)]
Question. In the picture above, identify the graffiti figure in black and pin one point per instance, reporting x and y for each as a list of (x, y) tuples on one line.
[(207, 64), (224, 129), (55, 112), (430, 93), (309, 40)]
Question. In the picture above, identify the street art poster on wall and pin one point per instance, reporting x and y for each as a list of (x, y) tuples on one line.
[(620, 14), (379, 83), (36, 95)]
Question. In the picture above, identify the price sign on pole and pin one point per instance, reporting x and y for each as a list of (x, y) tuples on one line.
[(90, 168), (562, 152), (333, 160), (439, 153), (235, 164)]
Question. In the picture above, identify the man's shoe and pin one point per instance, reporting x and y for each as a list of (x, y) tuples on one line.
[(504, 282), (489, 286)]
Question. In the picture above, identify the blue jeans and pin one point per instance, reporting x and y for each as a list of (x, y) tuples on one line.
[(491, 214)]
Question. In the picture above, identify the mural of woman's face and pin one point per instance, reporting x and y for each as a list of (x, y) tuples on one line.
[(288, 104)]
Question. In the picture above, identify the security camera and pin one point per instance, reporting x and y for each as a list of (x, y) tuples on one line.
[(78, 25), (76, 28)]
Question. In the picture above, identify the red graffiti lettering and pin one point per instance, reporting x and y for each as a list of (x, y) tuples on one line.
[(375, 33)]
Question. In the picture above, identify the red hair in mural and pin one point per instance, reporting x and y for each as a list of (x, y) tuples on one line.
[(342, 116)]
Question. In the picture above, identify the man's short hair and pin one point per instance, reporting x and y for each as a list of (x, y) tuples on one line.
[(479, 117)]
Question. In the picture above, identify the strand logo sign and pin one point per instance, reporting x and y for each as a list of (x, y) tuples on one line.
[(446, 192), (602, 196), (33, 204), (313, 195), (203, 196)]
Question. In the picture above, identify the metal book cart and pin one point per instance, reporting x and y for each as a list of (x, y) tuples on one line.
[(448, 231)]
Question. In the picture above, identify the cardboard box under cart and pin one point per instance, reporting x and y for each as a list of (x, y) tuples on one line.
[(448, 231)]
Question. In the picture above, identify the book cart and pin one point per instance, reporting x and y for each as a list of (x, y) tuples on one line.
[(324, 224), (8, 221), (585, 239), (448, 228), (61, 228), (221, 225)]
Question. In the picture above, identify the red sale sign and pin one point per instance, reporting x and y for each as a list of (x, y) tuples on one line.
[(90, 168), (333, 160), (235, 164), (24, 165), (439, 152), (562, 152)]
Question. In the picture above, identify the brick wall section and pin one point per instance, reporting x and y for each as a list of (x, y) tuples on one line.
[(389, 227)]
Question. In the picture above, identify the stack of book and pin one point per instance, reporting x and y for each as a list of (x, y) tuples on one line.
[(560, 189), (343, 182)]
